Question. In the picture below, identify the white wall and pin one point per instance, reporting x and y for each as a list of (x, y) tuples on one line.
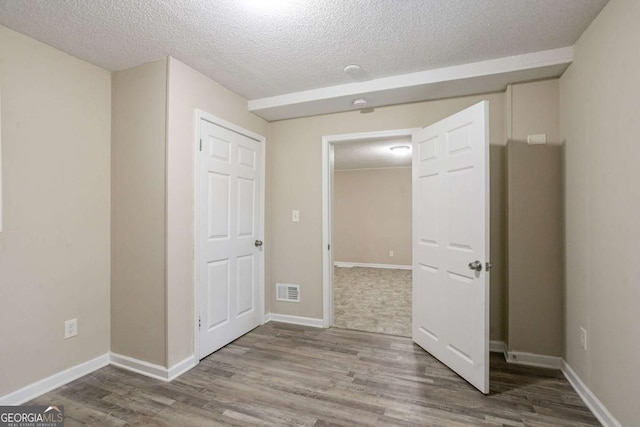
[(600, 119), (54, 247)]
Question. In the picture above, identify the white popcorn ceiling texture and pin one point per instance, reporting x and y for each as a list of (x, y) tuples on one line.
[(298, 45)]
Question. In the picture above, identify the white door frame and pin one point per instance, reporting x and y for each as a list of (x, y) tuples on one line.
[(328, 142), (203, 115)]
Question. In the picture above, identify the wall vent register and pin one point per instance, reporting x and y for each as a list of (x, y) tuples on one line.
[(286, 292)]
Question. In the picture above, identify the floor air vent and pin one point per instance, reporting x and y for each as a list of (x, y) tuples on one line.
[(289, 293)]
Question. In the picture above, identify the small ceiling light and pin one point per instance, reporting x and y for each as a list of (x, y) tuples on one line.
[(356, 72), (400, 149), (359, 102), (353, 69)]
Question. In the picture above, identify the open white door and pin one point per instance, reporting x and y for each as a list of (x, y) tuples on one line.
[(451, 242), (228, 233)]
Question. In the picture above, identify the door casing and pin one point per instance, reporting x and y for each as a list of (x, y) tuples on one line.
[(328, 143)]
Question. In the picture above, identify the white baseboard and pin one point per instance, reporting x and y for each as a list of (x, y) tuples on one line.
[(496, 346), (181, 367), (140, 367), (590, 399), (368, 265), (532, 359), (152, 370), (45, 385), (296, 320)]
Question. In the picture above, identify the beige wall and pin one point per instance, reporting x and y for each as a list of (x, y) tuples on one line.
[(54, 248), (535, 248), (534, 295), (532, 109), (600, 118), (372, 215), (189, 90), (138, 319), (294, 160)]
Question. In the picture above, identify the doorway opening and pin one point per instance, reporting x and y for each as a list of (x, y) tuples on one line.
[(367, 234), (450, 236)]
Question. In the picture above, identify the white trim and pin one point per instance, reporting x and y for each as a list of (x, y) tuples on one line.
[(54, 381), (593, 403), (181, 367), (140, 367), (296, 320), (152, 370), (532, 359), (370, 265), (373, 169), (203, 115), (327, 196), (327, 270), (496, 347)]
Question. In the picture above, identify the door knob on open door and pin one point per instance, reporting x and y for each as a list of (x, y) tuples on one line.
[(475, 265), (258, 243)]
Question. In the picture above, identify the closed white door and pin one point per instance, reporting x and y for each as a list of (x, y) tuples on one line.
[(228, 235), (451, 242)]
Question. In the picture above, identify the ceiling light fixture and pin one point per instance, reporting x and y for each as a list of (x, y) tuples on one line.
[(359, 102), (400, 149), (355, 72), (353, 69)]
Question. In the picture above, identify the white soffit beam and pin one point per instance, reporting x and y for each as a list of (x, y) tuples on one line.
[(460, 80)]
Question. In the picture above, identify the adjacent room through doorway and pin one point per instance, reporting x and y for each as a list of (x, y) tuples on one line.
[(372, 235)]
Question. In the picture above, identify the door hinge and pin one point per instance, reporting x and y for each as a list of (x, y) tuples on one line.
[(200, 144), (329, 247), (199, 323)]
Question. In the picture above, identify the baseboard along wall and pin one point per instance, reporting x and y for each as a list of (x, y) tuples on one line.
[(295, 320), (369, 265), (38, 388)]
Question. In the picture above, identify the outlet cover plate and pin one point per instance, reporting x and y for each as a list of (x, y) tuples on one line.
[(537, 139), (70, 328)]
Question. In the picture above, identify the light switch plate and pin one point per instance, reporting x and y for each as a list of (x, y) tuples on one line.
[(295, 216)]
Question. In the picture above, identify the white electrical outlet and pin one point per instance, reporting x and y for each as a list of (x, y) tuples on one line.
[(295, 216), (70, 328), (537, 139), (390, 253), (583, 338)]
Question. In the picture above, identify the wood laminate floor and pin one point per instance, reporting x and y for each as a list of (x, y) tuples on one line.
[(282, 374)]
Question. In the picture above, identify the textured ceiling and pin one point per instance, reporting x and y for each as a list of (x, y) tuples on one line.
[(262, 48), (371, 153)]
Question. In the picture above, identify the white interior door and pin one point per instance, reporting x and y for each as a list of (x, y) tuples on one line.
[(228, 235), (451, 236)]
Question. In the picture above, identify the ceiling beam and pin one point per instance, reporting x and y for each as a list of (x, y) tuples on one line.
[(473, 78)]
